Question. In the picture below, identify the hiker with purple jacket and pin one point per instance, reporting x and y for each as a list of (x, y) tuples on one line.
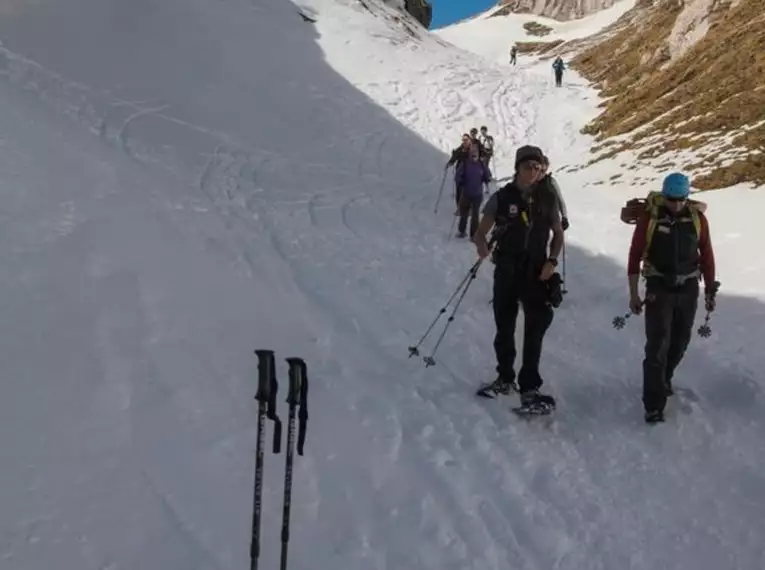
[(471, 176)]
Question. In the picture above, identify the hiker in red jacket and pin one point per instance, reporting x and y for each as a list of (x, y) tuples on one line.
[(676, 254)]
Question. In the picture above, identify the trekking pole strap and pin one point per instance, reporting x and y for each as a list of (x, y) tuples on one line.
[(298, 397)]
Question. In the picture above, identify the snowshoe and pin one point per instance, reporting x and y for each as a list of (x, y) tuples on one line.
[(500, 386), (535, 404)]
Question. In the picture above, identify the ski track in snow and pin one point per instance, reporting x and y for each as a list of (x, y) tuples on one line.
[(347, 265)]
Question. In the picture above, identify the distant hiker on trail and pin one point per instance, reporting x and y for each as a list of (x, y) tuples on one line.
[(513, 55), (558, 67), (460, 155), (525, 214), (548, 178), (487, 142), (672, 241), (471, 177)]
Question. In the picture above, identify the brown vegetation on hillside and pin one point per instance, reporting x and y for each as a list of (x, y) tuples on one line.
[(537, 47), (715, 92), (536, 29)]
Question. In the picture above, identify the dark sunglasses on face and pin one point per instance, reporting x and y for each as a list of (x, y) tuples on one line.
[(531, 166), (675, 200)]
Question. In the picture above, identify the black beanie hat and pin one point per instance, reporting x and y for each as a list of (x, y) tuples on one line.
[(528, 152)]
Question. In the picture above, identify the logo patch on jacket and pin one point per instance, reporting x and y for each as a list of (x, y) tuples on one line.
[(513, 210)]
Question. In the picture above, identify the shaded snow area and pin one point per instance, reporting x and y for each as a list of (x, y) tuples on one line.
[(189, 181)]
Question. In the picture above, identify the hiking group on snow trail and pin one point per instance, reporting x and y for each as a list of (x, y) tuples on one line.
[(671, 247)]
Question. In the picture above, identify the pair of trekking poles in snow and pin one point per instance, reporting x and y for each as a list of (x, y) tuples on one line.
[(459, 295), (704, 331), (297, 397)]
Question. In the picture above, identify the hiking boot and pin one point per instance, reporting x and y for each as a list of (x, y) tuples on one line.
[(535, 402), (500, 386), (654, 416), (461, 235)]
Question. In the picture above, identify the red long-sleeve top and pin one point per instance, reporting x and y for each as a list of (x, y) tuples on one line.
[(706, 252)]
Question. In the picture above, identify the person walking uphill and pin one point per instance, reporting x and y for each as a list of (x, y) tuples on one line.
[(672, 241), (558, 67), (471, 176), (459, 156), (525, 214)]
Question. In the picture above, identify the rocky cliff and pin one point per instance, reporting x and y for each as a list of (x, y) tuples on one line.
[(557, 9), (420, 10)]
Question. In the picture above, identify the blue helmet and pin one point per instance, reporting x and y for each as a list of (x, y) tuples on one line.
[(676, 185)]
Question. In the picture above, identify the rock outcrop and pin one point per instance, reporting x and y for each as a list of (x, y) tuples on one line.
[(557, 9), (421, 10)]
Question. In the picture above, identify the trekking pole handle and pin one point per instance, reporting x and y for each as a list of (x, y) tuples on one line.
[(298, 396)]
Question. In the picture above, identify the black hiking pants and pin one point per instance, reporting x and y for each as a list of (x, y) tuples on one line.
[(558, 78), (669, 318), (513, 288), (469, 207)]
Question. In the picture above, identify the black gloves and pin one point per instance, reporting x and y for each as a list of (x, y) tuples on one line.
[(564, 223), (710, 296)]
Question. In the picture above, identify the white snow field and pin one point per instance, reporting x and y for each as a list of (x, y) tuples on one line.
[(182, 182), (492, 36)]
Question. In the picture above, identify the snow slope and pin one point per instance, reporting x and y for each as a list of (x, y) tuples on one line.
[(492, 36), (177, 192)]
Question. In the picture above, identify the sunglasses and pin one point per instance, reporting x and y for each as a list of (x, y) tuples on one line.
[(675, 200), (531, 166)]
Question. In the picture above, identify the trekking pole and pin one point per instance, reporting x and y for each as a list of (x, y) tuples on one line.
[(415, 349), (620, 321), (451, 228), (430, 360), (564, 290), (266, 397), (296, 397), (440, 191), (705, 331)]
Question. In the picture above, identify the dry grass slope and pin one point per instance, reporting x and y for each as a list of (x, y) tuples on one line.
[(711, 99), (539, 48), (537, 29)]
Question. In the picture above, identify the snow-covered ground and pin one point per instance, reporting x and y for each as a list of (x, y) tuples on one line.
[(189, 182), (492, 36)]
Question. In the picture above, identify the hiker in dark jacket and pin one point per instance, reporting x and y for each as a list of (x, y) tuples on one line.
[(674, 256), (525, 215), (513, 55), (471, 177), (558, 67), (460, 155)]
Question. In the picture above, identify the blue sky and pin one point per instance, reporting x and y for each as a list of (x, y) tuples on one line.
[(447, 12)]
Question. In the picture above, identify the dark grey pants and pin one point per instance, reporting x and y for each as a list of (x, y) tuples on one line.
[(512, 289), (669, 318), (469, 207)]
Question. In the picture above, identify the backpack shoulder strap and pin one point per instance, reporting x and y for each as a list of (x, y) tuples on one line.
[(696, 217), (653, 203)]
